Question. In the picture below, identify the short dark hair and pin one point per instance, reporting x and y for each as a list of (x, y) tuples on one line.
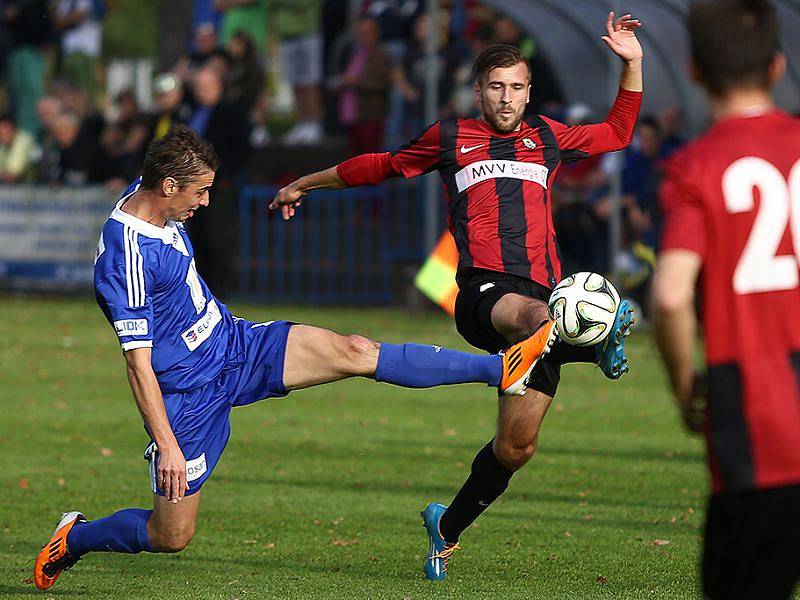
[(497, 56), (181, 154), (733, 42)]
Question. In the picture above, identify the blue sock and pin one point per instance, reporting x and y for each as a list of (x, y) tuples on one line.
[(418, 366), (124, 531)]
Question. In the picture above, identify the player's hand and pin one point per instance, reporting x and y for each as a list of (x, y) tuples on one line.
[(171, 472), (693, 405), (287, 199), (621, 37)]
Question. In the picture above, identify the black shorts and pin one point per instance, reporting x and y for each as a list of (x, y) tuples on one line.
[(479, 291), (752, 544)]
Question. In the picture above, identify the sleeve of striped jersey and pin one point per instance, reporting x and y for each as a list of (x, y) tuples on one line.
[(420, 155), (615, 133), (124, 294), (683, 214), (366, 169)]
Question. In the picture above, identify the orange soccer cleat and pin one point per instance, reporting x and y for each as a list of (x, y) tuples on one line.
[(55, 557), (520, 359)]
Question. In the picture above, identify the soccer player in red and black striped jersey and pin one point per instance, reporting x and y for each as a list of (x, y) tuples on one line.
[(731, 204), (497, 172)]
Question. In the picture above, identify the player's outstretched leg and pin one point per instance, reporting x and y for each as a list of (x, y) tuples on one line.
[(611, 352), (315, 356), (439, 549)]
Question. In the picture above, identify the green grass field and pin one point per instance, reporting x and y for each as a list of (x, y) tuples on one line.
[(318, 494)]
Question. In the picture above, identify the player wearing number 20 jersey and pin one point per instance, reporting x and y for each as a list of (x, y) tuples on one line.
[(733, 197), (731, 214)]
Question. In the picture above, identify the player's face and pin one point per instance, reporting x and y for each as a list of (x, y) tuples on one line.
[(182, 203), (503, 94)]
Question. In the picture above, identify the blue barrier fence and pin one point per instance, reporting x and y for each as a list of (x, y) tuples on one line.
[(342, 247)]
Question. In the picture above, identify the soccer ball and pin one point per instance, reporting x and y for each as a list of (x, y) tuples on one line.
[(584, 306)]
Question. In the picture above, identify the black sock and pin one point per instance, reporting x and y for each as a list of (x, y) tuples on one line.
[(484, 485)]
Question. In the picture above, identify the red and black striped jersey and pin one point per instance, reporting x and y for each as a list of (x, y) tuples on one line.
[(733, 198), (498, 185)]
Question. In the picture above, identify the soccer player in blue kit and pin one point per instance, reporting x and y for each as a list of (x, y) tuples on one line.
[(189, 361)]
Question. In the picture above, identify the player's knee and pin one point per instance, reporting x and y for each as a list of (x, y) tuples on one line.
[(527, 322), (359, 354), (514, 455)]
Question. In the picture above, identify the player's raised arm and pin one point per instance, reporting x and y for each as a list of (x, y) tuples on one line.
[(171, 471), (621, 38), (415, 158), (616, 132)]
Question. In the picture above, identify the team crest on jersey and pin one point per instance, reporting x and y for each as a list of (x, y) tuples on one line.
[(529, 143)]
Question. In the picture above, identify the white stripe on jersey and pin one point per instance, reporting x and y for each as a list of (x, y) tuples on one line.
[(127, 240), (139, 268), (134, 269)]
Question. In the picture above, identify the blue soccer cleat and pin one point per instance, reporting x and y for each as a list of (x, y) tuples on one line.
[(439, 551), (611, 353)]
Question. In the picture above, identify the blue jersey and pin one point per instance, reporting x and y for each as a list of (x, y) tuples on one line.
[(147, 285)]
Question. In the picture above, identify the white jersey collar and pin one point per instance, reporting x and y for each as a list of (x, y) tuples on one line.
[(165, 234)]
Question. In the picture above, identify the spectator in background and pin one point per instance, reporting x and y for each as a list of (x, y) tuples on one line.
[(170, 106), (219, 122), (244, 15), (246, 76), (396, 20), (204, 11), (124, 137), (30, 29), (79, 26), (205, 48), (16, 146), (225, 126), (581, 206), (75, 100), (641, 177), (411, 78), (298, 25), (364, 87), (670, 120), (78, 151), (47, 109)]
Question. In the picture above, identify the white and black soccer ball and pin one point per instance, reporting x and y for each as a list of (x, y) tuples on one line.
[(584, 306)]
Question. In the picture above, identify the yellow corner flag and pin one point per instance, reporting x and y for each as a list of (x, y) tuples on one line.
[(437, 277)]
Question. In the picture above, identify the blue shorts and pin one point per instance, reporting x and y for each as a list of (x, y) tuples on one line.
[(200, 419)]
